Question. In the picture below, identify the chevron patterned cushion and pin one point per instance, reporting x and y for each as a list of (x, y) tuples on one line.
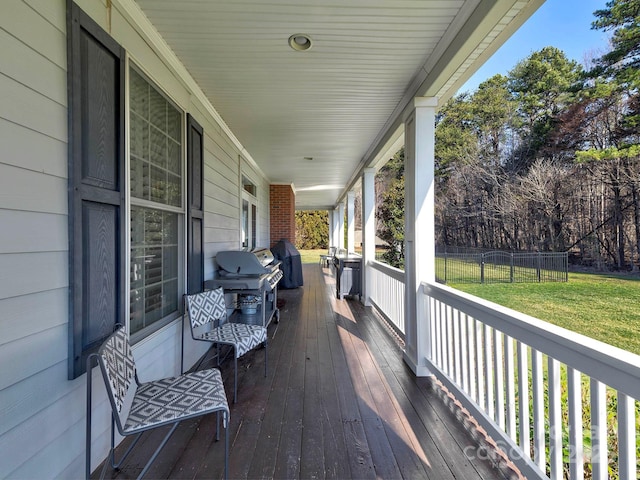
[(206, 307), (169, 399), (244, 337), (117, 361)]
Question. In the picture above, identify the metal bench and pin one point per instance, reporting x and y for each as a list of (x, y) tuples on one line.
[(137, 407)]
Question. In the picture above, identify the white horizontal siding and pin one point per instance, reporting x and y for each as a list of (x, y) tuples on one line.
[(33, 71), (29, 314), (41, 412), (30, 150), (30, 355), (25, 273), (28, 190), (24, 106), (22, 232), (46, 432), (22, 20)]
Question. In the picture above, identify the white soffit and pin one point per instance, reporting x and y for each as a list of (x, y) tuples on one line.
[(339, 102)]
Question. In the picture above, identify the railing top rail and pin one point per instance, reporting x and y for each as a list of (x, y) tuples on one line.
[(612, 366), (393, 272)]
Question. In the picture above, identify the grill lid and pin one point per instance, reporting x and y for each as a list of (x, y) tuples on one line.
[(243, 262)]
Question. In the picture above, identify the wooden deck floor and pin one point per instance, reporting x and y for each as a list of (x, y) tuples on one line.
[(338, 402)]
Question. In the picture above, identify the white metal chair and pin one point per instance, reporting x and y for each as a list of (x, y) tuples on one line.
[(208, 318), (325, 260), (137, 407)]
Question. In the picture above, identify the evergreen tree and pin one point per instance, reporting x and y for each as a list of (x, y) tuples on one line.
[(542, 84), (312, 229)]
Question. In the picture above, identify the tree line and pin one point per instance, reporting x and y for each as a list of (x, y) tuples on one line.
[(545, 158)]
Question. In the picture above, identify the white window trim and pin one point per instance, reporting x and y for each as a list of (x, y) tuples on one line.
[(130, 201), (252, 201)]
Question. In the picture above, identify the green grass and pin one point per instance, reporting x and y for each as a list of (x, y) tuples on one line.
[(312, 256), (604, 307)]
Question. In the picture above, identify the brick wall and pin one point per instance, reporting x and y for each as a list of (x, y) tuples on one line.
[(282, 203)]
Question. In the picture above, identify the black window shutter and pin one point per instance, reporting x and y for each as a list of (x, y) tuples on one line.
[(195, 207), (96, 185)]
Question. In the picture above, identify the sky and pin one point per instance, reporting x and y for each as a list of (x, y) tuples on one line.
[(565, 24)]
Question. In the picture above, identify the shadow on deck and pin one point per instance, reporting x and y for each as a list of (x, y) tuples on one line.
[(338, 402)]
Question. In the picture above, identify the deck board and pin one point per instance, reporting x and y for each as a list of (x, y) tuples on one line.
[(338, 402)]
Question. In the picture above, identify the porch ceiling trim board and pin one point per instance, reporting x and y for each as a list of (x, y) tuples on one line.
[(132, 12)]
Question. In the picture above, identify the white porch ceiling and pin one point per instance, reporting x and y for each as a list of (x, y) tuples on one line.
[(341, 101)]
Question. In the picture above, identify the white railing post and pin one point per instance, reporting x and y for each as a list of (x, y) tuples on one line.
[(471, 355), (599, 447), (523, 397), (538, 409), (576, 449), (498, 383), (488, 371), (555, 420), (626, 437), (510, 379)]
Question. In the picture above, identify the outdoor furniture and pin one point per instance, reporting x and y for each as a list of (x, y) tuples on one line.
[(137, 407), (208, 317), (326, 260), (348, 275)]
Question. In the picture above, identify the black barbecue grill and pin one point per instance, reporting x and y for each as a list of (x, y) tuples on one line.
[(253, 276)]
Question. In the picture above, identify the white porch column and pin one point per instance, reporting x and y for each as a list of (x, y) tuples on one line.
[(331, 229), (368, 231), (351, 222), (419, 126), (340, 213), (333, 218)]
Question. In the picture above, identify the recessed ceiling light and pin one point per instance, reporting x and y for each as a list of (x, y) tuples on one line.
[(300, 42)]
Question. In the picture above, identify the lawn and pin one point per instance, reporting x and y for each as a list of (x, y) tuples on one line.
[(604, 307), (312, 256)]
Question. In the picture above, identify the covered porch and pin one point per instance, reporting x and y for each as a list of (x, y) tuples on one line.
[(338, 402), (245, 112)]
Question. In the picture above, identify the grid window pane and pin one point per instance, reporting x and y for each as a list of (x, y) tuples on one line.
[(139, 136), (174, 123), (158, 185), (154, 267), (156, 176), (139, 96), (156, 145), (158, 152), (174, 157)]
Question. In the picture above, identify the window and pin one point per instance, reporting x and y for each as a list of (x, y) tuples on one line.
[(249, 221), (157, 211)]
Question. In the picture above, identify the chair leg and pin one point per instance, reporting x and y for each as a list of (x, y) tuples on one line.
[(226, 446), (155, 454), (218, 426), (235, 376)]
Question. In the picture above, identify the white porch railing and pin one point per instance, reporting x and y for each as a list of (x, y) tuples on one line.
[(387, 293), (581, 410)]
